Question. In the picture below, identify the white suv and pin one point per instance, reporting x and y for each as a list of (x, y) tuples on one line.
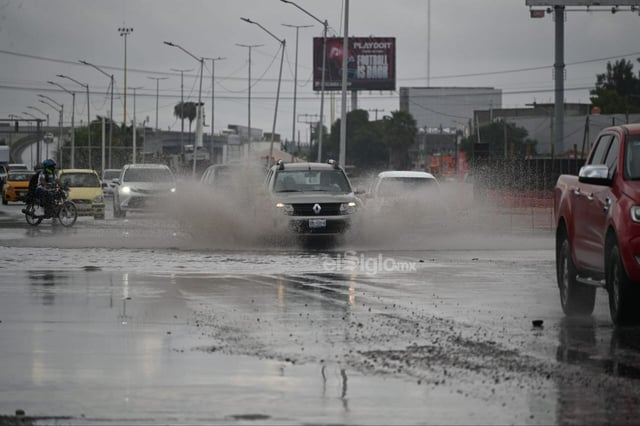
[(142, 187)]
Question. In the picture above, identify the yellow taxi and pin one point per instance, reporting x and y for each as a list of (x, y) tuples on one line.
[(16, 185), (85, 190)]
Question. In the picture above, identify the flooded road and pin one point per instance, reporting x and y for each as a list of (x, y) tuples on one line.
[(141, 322)]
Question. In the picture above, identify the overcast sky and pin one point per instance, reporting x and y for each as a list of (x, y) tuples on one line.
[(473, 43)]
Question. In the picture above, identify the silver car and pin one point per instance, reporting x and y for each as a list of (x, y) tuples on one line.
[(142, 188), (313, 198)]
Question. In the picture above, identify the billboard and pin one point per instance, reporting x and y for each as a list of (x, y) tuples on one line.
[(371, 63), (583, 2)]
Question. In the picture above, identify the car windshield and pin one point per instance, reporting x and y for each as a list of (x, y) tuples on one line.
[(401, 185), (20, 177), (632, 157), (80, 180), (110, 174), (148, 175), (311, 180)]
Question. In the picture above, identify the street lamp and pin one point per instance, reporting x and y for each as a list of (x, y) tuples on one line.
[(199, 109), (213, 73), (110, 111), (124, 32), (59, 108), (249, 46), (86, 86), (295, 80), (283, 43), (157, 79), (41, 112), (325, 26), (73, 124)]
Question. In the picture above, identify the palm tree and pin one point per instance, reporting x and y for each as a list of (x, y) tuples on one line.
[(186, 110)]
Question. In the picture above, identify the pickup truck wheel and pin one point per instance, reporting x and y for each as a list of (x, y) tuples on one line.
[(575, 298), (621, 296)]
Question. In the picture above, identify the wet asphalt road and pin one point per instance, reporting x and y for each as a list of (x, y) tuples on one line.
[(142, 321)]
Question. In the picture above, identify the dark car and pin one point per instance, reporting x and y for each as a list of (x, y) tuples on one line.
[(312, 198)]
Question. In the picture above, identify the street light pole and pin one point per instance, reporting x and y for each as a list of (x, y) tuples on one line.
[(181, 107), (124, 32), (295, 80), (41, 112), (59, 108), (73, 124), (88, 112), (213, 73), (325, 26), (111, 111), (249, 46), (343, 121), (199, 109), (157, 79), (134, 124), (283, 43)]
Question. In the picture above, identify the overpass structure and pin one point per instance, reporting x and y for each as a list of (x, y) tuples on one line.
[(21, 134)]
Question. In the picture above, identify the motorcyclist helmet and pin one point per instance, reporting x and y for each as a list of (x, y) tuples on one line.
[(49, 164)]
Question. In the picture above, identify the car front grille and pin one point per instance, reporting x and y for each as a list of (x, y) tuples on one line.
[(326, 209)]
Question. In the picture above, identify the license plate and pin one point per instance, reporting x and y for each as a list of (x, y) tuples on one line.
[(317, 223)]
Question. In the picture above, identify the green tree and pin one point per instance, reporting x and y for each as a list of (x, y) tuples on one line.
[(618, 89), (186, 110), (494, 134), (365, 147), (399, 132)]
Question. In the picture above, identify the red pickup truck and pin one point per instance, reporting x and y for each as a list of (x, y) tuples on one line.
[(597, 216)]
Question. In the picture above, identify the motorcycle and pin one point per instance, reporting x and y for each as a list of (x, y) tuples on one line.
[(61, 208)]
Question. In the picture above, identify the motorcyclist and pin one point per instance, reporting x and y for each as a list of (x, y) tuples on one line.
[(46, 186)]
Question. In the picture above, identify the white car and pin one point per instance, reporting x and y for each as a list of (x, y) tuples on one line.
[(407, 197), (108, 175), (143, 188)]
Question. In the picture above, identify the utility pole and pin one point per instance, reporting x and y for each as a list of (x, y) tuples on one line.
[(124, 32), (157, 79), (295, 80), (213, 73), (249, 46), (181, 107)]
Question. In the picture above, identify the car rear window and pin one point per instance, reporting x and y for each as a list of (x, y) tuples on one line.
[(20, 177), (80, 180)]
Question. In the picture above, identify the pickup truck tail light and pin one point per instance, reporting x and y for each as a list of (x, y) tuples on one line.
[(635, 213)]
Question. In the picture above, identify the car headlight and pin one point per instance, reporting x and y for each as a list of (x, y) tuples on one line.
[(286, 208), (348, 208), (172, 190), (635, 213), (98, 199), (125, 190)]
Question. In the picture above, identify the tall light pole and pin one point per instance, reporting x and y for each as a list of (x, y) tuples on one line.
[(181, 107), (111, 110), (213, 73), (249, 46), (73, 124), (343, 120), (134, 125), (59, 108), (157, 79), (124, 32), (283, 43), (325, 26), (199, 109), (86, 86), (295, 80)]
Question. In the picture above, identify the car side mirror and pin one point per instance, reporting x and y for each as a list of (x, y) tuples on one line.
[(595, 174), (116, 181)]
